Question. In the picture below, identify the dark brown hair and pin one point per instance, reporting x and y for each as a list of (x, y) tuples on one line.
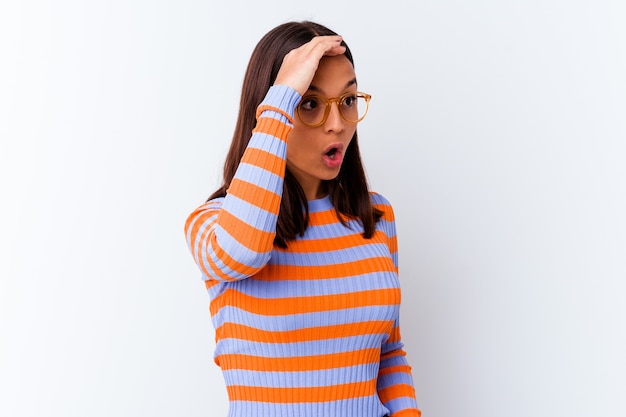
[(348, 192)]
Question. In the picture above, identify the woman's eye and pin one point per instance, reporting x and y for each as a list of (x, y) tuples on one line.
[(309, 103), (349, 101)]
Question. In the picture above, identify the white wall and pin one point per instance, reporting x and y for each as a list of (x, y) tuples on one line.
[(497, 130)]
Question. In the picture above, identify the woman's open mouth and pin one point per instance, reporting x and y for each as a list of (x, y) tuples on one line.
[(333, 155)]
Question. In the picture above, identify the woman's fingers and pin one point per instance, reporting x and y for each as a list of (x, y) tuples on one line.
[(329, 45), (299, 65)]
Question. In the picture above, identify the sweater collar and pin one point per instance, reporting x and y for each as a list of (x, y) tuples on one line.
[(320, 204)]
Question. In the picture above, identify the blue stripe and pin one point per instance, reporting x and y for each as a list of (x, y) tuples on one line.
[(401, 403), (346, 375), (268, 143), (253, 215), (257, 175), (358, 407), (334, 230), (378, 199), (388, 380), (386, 227), (296, 321), (270, 114), (297, 288), (311, 348)]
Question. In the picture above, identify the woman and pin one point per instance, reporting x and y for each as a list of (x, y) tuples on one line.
[(299, 258)]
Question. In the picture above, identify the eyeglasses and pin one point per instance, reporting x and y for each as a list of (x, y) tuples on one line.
[(314, 110)]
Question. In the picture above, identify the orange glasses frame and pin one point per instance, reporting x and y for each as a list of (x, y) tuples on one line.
[(338, 101)]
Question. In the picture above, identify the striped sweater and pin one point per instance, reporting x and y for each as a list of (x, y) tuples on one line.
[(311, 330)]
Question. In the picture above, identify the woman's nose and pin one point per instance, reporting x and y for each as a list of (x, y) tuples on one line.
[(334, 122)]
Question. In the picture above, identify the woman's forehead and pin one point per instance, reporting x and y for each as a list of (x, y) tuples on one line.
[(333, 74)]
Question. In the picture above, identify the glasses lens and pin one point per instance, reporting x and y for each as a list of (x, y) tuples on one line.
[(353, 107), (311, 110)]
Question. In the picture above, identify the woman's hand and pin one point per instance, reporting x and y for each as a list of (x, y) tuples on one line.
[(299, 65)]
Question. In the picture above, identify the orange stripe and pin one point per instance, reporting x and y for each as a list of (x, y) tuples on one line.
[(393, 244), (255, 195), (252, 334), (298, 363), (272, 126), (268, 161), (396, 391), (265, 107), (252, 238), (321, 218), (388, 214), (334, 243), (311, 304), (394, 369), (346, 269), (409, 412), (302, 394), (387, 210), (210, 283)]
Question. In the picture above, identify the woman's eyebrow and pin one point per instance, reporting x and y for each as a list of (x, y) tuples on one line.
[(351, 82), (313, 87)]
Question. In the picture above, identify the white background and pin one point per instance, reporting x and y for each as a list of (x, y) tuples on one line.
[(497, 130)]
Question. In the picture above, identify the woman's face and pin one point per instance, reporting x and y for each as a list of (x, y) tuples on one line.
[(316, 153)]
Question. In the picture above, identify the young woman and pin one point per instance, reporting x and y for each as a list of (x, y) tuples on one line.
[(298, 256)]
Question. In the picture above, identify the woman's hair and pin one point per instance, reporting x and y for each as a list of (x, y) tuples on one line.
[(348, 192)]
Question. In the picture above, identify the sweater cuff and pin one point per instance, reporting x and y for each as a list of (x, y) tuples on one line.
[(282, 97)]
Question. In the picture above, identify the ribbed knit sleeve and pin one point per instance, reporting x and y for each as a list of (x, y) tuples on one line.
[(395, 381), (231, 238)]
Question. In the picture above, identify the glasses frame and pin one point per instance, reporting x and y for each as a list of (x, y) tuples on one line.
[(336, 100)]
